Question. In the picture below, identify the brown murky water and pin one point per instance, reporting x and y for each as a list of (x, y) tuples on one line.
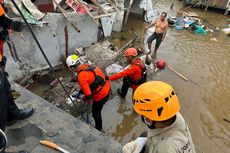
[(204, 98)]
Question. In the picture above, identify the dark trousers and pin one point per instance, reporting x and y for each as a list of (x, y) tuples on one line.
[(12, 110), (96, 112), (8, 109), (3, 115), (125, 87), (158, 37)]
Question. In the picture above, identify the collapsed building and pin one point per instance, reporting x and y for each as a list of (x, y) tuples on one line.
[(61, 27)]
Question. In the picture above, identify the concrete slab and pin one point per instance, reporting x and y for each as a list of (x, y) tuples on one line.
[(54, 124)]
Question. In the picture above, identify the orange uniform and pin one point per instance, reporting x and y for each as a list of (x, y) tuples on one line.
[(1, 48), (2, 12), (86, 79), (134, 72)]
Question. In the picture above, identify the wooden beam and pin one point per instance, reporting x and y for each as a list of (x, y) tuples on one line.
[(102, 15), (66, 16)]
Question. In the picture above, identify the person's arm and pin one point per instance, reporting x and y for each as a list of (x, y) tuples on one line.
[(131, 70), (150, 25), (135, 146), (165, 32), (83, 82)]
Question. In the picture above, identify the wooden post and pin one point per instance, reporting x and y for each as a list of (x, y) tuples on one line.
[(127, 14)]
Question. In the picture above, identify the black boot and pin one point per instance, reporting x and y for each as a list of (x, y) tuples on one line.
[(23, 113)]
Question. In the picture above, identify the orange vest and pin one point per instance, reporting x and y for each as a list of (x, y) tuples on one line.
[(2, 11), (93, 82)]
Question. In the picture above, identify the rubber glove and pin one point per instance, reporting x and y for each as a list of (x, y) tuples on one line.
[(140, 143), (135, 146), (129, 147)]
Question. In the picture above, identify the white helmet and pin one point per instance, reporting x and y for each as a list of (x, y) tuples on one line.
[(73, 60)]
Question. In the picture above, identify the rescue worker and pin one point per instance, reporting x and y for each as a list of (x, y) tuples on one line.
[(4, 25), (158, 105), (133, 76), (94, 85), (9, 112)]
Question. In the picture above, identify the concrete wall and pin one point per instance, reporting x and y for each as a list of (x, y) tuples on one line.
[(53, 47)]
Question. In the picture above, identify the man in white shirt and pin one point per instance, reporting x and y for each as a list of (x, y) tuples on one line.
[(158, 105)]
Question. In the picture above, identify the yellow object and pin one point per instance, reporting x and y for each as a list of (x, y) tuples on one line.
[(156, 101), (49, 144), (74, 57), (53, 145)]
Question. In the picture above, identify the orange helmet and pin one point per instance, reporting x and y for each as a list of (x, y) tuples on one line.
[(2, 11), (130, 52), (156, 101)]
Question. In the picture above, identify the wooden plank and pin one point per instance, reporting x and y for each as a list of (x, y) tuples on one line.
[(102, 15)]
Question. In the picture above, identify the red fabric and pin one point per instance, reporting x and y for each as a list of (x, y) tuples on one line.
[(160, 64), (85, 78), (1, 48), (134, 72)]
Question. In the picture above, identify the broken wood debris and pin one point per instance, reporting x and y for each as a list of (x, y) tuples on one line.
[(67, 17)]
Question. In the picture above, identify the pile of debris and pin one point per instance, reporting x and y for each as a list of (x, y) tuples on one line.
[(191, 21)]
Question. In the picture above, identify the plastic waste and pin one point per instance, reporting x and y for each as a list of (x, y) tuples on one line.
[(200, 30)]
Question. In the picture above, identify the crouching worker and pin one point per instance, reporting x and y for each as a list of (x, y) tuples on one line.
[(158, 105), (133, 76), (94, 85)]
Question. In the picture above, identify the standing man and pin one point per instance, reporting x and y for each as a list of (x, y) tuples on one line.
[(133, 76), (9, 112), (94, 85), (161, 25), (158, 105), (13, 113)]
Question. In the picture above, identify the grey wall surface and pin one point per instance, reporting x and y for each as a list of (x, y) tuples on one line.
[(53, 47)]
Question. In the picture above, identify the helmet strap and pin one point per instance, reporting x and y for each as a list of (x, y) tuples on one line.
[(150, 125)]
